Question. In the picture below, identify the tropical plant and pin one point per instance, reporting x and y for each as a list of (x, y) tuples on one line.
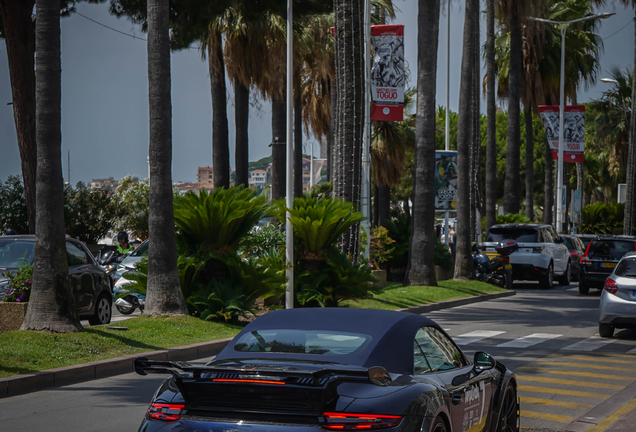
[(19, 289), (13, 212), (262, 240), (399, 229), (221, 300), (602, 218), (132, 196), (381, 249), (442, 257), (491, 116), (89, 214)]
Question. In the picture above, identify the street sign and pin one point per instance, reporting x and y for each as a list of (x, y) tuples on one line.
[(576, 201)]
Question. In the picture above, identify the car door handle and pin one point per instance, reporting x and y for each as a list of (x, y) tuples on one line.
[(457, 400)]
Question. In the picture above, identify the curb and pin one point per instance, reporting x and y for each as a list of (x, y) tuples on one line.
[(27, 383)]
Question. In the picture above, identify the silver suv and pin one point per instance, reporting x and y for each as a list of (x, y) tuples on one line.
[(541, 256)]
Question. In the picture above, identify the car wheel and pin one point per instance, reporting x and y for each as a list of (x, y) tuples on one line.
[(583, 288), (546, 281), (565, 279), (509, 419), (605, 330), (440, 425), (103, 311)]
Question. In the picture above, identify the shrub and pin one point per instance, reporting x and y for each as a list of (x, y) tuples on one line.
[(602, 218), (13, 211), (89, 214), (262, 240), (442, 256), (132, 196), (380, 247), (19, 289), (399, 229)]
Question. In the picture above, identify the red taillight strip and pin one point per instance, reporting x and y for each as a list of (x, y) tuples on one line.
[(248, 381), (610, 286), (165, 412), (347, 421)]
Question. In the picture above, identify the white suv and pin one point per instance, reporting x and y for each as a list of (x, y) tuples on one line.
[(541, 254)]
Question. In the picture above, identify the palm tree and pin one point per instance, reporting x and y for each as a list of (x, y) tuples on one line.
[(164, 290), (491, 113), (463, 259), (220, 132), (420, 270), (51, 306)]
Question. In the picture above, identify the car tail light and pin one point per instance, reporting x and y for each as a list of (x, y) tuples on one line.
[(342, 421), (537, 249), (585, 260), (165, 412), (504, 259), (574, 253), (610, 286)]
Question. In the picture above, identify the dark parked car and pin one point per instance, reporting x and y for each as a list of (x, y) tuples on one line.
[(316, 369), (577, 250), (600, 258), (586, 238), (91, 287)]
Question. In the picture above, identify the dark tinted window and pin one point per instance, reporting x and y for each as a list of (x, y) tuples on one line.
[(301, 342), (13, 253), (76, 256), (610, 249), (626, 268), (142, 250), (433, 352), (520, 235), (572, 243)]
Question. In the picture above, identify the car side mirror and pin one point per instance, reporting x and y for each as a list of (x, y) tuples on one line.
[(483, 362)]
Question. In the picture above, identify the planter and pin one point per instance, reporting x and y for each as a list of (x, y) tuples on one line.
[(11, 315), (443, 274), (380, 274)]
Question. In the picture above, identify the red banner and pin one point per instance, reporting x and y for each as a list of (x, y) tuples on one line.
[(387, 72)]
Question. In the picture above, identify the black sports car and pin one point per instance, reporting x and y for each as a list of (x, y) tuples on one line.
[(335, 369)]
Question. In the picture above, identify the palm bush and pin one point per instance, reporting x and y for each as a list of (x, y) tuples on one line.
[(262, 240), (602, 218)]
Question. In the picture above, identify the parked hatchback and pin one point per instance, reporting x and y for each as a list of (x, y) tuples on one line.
[(90, 285), (600, 259), (541, 254), (577, 250), (617, 308)]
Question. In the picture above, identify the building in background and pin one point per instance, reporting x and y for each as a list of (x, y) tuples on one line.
[(205, 178), (107, 183), (183, 187), (258, 178)]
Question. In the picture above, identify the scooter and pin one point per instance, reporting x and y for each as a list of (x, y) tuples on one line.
[(110, 258), (127, 301), (496, 270)]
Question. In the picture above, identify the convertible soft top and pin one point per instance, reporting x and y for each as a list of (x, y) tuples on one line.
[(392, 335)]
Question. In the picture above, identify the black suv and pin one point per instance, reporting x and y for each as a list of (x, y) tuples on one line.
[(91, 286), (601, 257)]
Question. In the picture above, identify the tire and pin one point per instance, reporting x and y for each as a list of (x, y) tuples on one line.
[(103, 311), (547, 281), (567, 275), (583, 288), (439, 425), (125, 310), (605, 330), (509, 418)]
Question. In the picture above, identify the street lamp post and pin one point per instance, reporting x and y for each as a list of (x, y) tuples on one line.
[(564, 26)]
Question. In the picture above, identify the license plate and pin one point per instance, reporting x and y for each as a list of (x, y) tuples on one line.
[(508, 266), (608, 265), (489, 249), (633, 293)]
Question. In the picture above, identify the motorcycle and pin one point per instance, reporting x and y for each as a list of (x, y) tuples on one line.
[(110, 258), (496, 270), (127, 300)]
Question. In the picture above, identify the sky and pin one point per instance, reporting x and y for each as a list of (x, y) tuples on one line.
[(105, 94)]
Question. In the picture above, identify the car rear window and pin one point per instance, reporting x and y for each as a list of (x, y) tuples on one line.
[(316, 342), (520, 235), (610, 249), (569, 243), (626, 268)]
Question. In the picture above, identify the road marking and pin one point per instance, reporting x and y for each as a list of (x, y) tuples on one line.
[(552, 402), (528, 341), (585, 365), (549, 390), (631, 351), (596, 355), (597, 359), (575, 373), (475, 336), (569, 382), (609, 421), (589, 344), (546, 416)]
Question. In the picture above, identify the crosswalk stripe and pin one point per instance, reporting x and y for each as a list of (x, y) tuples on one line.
[(597, 359), (530, 340), (631, 351), (575, 373), (552, 402), (550, 417), (569, 382), (597, 354), (584, 365), (589, 344), (475, 336), (534, 389)]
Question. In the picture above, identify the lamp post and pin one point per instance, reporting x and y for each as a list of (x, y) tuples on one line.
[(289, 199), (564, 26)]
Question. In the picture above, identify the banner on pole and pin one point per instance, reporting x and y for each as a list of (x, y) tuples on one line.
[(573, 134), (316, 175), (445, 180), (387, 72)]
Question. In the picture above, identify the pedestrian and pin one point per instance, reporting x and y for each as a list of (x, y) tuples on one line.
[(452, 242)]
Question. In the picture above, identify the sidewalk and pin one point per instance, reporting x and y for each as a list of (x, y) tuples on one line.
[(36, 381)]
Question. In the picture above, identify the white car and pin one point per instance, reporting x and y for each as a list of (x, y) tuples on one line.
[(541, 256)]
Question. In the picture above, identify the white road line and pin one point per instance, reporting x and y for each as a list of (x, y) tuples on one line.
[(589, 344), (631, 351), (475, 336), (528, 341)]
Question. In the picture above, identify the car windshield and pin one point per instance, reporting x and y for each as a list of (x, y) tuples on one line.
[(142, 250), (14, 252), (520, 235), (626, 268), (301, 342), (610, 249)]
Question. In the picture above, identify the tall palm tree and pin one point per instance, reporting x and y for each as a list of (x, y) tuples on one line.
[(51, 306), (463, 258), (491, 114), (164, 290), (420, 270), (220, 131)]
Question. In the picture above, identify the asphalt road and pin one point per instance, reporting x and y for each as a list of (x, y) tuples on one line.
[(548, 337)]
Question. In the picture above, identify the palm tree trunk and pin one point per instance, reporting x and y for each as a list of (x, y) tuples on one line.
[(349, 48), (51, 306), (20, 43), (548, 186), (628, 225), (241, 117), (491, 116), (376, 206), (476, 146), (220, 134), (332, 129), (279, 153), (384, 204), (511, 186), (463, 257), (164, 295), (527, 115), (298, 143)]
